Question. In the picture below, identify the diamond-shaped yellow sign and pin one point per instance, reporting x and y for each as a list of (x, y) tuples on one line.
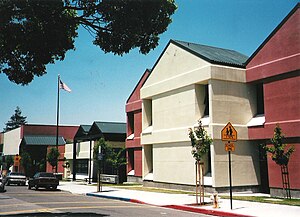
[(228, 133)]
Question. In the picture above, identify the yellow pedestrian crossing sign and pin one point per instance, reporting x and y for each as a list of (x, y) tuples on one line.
[(17, 158), (228, 133)]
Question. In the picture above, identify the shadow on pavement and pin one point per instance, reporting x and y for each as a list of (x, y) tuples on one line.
[(57, 214)]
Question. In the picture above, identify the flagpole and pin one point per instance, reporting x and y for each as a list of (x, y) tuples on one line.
[(57, 118)]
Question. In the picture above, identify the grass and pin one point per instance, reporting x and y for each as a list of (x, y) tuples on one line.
[(259, 199)]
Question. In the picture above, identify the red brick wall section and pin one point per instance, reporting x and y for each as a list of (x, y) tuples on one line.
[(138, 162), (134, 104), (282, 103), (282, 100), (60, 168), (68, 132), (294, 171), (280, 54)]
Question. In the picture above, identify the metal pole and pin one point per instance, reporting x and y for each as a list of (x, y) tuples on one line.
[(74, 160), (230, 182), (90, 163), (57, 118)]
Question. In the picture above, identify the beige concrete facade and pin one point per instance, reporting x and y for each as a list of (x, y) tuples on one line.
[(11, 141), (174, 100)]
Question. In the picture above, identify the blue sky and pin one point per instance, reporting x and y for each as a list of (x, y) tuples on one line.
[(101, 83)]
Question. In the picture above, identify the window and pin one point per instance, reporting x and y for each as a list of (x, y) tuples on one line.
[(260, 99), (147, 116), (130, 159), (82, 166), (206, 101), (130, 117)]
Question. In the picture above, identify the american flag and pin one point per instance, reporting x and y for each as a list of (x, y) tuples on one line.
[(63, 86)]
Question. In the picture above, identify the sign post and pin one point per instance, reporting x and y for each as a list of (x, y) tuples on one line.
[(229, 134), (17, 159)]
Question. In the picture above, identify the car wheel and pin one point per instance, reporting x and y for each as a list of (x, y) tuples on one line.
[(36, 187), (54, 187), (7, 183)]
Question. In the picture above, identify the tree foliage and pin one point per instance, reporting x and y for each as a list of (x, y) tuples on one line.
[(110, 156), (279, 151), (16, 120), (53, 156), (34, 33), (9, 160), (200, 141), (26, 162)]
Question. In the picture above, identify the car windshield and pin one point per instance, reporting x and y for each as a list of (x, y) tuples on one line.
[(16, 174), (47, 175)]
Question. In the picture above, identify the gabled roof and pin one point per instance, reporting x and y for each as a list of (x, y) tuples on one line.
[(214, 55), (85, 128), (273, 32), (42, 140), (113, 131), (82, 132), (111, 127)]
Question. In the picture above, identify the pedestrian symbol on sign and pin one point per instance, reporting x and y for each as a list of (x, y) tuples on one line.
[(228, 133)]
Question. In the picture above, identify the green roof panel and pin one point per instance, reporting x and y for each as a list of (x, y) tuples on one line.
[(43, 140), (111, 127), (213, 54)]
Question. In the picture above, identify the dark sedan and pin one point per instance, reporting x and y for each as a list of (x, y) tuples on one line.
[(43, 180)]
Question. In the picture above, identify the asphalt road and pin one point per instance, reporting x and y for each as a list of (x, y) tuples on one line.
[(19, 201)]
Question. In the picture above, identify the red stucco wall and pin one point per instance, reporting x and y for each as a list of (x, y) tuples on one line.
[(276, 64), (280, 54), (134, 106), (293, 166), (60, 168), (138, 162), (68, 132), (282, 101)]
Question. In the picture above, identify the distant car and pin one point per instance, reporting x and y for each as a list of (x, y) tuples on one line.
[(15, 178), (43, 180), (1, 184)]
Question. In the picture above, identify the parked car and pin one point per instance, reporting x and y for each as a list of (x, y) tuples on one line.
[(15, 178), (1, 184), (43, 180)]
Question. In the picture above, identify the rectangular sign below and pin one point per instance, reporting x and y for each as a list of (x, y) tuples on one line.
[(114, 179), (229, 146)]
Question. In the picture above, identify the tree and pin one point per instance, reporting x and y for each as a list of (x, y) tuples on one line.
[(201, 142), (116, 159), (52, 157), (26, 162), (102, 145), (280, 154), (9, 160), (110, 156), (16, 120), (34, 33)]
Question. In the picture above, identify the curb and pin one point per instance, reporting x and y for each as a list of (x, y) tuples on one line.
[(205, 211), (116, 198), (178, 207)]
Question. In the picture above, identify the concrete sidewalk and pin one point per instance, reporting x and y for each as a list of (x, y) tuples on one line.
[(183, 201)]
